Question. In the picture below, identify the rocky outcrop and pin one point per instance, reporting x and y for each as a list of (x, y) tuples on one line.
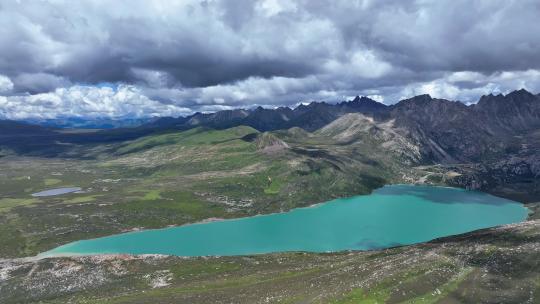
[(356, 128), (516, 112), (269, 143)]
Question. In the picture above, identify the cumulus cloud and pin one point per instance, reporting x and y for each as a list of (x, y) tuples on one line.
[(216, 54), (5, 84), (86, 101), (466, 86)]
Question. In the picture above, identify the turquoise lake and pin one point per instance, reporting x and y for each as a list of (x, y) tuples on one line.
[(390, 216)]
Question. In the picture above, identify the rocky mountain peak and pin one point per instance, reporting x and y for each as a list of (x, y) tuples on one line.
[(521, 93), (363, 99), (363, 104), (517, 111), (486, 99), (269, 143), (419, 99)]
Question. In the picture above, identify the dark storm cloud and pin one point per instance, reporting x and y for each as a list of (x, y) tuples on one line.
[(197, 44), (213, 54), (38, 82), (456, 35)]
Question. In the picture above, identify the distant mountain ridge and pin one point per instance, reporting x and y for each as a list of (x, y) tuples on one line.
[(442, 131), (457, 132), (518, 110), (309, 117), (421, 129)]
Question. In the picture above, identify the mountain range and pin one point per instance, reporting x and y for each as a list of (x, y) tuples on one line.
[(445, 131)]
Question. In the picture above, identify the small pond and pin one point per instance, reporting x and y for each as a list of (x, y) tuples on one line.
[(57, 191)]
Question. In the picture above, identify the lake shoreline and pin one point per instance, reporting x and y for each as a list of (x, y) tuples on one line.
[(367, 244)]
